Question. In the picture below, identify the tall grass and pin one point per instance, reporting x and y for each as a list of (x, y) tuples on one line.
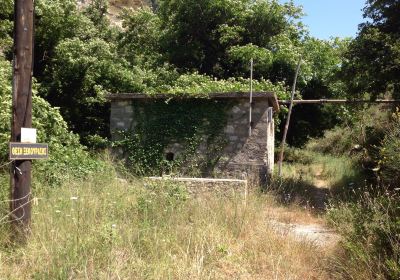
[(308, 174), (360, 165), (371, 236), (107, 228)]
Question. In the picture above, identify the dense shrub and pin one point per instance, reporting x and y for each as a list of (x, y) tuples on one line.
[(370, 229), (390, 153), (296, 155), (67, 155), (338, 141)]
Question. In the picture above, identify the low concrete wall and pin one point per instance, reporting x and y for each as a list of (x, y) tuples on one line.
[(203, 186)]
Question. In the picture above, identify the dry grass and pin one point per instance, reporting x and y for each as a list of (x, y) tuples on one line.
[(109, 229)]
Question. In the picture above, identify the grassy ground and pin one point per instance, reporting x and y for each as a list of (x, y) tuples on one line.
[(103, 227), (310, 179), (365, 215), (106, 228)]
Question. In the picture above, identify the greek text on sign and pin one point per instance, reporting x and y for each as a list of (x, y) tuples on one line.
[(28, 151)]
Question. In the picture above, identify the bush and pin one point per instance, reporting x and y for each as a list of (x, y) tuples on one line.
[(390, 153), (66, 155), (296, 155), (338, 141), (370, 229), (366, 131)]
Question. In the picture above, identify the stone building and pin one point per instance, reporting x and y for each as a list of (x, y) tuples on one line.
[(248, 149)]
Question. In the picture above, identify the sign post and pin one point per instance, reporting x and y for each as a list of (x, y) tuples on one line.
[(20, 172)]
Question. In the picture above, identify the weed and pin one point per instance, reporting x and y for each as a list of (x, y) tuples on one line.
[(107, 228), (371, 236)]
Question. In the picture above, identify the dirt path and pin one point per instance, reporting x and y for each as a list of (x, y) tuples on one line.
[(312, 230), (321, 189), (315, 233)]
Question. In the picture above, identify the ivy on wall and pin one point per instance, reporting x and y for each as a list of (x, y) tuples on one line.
[(190, 123)]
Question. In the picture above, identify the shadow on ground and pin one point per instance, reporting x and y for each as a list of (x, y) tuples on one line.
[(294, 191)]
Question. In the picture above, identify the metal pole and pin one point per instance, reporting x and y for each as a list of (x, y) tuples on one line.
[(251, 97), (20, 172), (288, 119)]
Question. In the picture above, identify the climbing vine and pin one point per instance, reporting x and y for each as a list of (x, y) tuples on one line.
[(189, 123)]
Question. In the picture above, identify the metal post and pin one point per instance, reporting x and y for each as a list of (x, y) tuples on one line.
[(251, 97), (22, 111)]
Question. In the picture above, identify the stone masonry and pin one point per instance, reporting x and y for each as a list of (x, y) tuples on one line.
[(204, 186), (245, 156)]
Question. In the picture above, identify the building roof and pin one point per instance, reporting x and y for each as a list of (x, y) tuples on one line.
[(272, 98)]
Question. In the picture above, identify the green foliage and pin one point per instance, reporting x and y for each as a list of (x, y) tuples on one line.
[(378, 41), (320, 68), (199, 36), (67, 156), (6, 8), (182, 48), (97, 13), (389, 153), (360, 137), (188, 123), (370, 230), (295, 155), (80, 56), (141, 41), (338, 141), (5, 106), (197, 85), (55, 21), (80, 74)]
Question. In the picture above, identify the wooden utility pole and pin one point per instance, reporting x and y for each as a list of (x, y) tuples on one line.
[(22, 111), (288, 120)]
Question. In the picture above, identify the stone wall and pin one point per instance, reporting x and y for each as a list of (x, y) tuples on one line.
[(244, 156), (248, 155), (204, 186)]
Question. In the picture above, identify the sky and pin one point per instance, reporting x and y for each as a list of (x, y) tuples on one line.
[(332, 18)]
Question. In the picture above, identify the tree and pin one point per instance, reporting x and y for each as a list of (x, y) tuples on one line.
[(200, 35), (141, 41), (322, 63), (372, 63), (78, 77), (6, 16)]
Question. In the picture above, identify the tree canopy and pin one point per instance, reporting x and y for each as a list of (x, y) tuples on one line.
[(372, 64), (193, 48)]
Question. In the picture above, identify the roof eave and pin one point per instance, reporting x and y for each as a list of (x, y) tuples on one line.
[(272, 98)]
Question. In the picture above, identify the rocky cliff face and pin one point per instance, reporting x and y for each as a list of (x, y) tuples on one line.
[(119, 4), (129, 3), (115, 7)]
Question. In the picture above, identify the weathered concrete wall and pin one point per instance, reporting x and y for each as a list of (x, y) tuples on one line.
[(244, 156)]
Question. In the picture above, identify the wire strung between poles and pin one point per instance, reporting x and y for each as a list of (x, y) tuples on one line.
[(8, 163)]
